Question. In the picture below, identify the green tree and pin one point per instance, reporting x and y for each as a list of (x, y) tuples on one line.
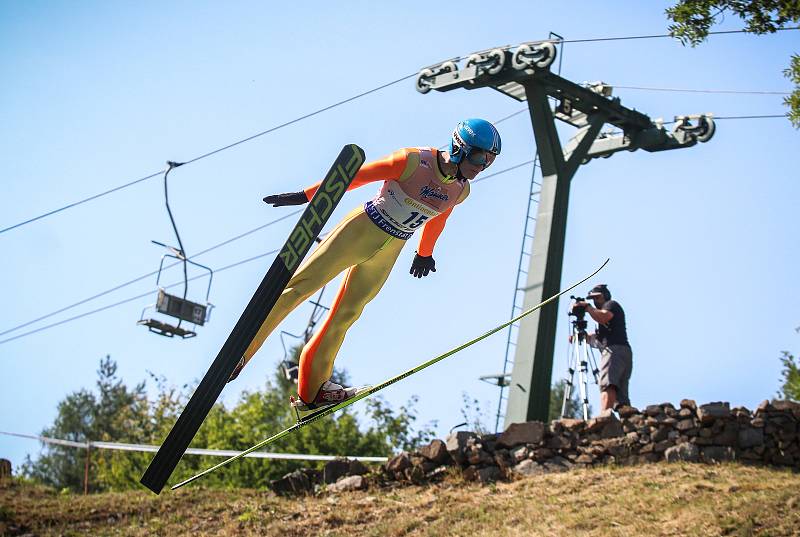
[(791, 377), (61, 466), (692, 21), (114, 412), (573, 409), (119, 414), (262, 413), (140, 421), (475, 419), (793, 101)]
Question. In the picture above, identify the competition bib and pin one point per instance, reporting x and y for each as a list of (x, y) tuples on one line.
[(396, 212)]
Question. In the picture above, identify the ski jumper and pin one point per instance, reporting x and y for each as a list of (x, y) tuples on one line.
[(366, 243)]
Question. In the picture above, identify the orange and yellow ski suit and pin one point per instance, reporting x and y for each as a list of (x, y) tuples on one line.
[(366, 243)]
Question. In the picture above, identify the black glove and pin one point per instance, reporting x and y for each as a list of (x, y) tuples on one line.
[(292, 198), (422, 265)]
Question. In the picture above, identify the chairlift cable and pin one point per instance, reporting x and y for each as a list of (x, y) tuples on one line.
[(689, 90), (655, 36), (223, 243), (242, 235), (131, 299), (767, 116), (148, 275), (319, 111), (76, 317), (214, 152)]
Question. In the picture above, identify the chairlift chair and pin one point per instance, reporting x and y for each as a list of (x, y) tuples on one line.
[(291, 370), (176, 306), (172, 305)]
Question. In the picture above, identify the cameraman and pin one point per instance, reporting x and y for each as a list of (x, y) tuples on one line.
[(612, 339)]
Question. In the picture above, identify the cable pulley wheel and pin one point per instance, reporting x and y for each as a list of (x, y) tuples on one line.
[(707, 128), (525, 55), (492, 61), (422, 82)]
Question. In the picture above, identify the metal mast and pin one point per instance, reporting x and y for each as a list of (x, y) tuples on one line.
[(523, 73)]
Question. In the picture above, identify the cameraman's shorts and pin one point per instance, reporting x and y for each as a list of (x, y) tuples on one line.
[(616, 366)]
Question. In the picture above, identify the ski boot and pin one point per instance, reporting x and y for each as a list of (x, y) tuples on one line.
[(329, 394)]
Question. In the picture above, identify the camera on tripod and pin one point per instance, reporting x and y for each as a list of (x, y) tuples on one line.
[(581, 357), (578, 310)]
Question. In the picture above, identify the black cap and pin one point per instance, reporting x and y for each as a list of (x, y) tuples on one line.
[(600, 290)]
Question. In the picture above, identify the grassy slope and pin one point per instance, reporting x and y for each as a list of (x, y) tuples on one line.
[(647, 500)]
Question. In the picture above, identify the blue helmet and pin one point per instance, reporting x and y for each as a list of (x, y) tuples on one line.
[(473, 134)]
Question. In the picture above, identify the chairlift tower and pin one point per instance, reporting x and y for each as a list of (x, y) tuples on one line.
[(523, 73)]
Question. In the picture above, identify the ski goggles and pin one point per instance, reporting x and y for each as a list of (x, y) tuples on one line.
[(481, 157)]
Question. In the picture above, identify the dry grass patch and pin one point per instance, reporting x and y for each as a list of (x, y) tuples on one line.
[(646, 500)]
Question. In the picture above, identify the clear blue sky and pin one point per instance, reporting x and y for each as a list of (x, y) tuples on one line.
[(703, 241)]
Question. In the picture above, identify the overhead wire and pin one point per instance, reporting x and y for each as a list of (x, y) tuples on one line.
[(296, 120), (149, 274), (90, 198), (210, 153), (272, 129), (137, 297), (237, 237), (520, 165), (324, 109), (688, 90), (655, 36), (131, 299), (766, 116), (198, 254)]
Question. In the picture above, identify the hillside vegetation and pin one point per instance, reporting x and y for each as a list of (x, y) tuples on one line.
[(658, 499)]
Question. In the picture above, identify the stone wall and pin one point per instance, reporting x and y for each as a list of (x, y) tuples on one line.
[(707, 433)]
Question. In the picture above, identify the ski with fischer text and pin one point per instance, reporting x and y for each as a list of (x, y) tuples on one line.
[(280, 272)]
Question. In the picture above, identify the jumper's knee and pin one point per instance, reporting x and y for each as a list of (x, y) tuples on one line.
[(347, 315), (296, 294)]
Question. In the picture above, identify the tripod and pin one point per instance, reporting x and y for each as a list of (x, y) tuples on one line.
[(580, 354)]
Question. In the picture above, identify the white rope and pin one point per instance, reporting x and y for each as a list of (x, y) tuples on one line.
[(56, 441), (192, 451)]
